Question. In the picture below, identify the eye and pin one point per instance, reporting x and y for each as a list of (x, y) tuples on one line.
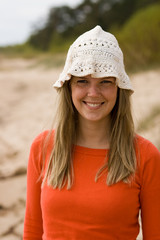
[(107, 82), (82, 81)]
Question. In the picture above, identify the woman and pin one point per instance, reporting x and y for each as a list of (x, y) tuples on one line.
[(89, 177)]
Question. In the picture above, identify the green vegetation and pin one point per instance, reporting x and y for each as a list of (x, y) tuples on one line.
[(136, 24), (49, 60), (20, 50), (64, 23), (140, 38)]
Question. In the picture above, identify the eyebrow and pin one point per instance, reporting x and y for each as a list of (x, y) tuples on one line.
[(107, 77), (97, 78)]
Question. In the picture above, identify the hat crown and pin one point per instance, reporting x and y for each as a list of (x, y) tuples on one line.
[(96, 32)]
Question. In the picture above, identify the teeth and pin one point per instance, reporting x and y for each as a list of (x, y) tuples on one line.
[(93, 104)]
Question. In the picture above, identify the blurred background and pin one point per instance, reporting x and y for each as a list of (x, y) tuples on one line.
[(34, 39)]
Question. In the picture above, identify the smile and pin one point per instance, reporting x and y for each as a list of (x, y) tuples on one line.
[(93, 105)]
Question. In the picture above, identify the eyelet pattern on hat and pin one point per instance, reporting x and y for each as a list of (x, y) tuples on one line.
[(98, 54)]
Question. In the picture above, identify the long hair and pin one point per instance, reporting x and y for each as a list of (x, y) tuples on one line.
[(121, 164), (122, 161), (60, 170)]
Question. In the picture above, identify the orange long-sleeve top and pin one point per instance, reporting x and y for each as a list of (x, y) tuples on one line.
[(92, 210)]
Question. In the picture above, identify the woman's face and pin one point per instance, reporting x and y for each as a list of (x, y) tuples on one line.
[(94, 98)]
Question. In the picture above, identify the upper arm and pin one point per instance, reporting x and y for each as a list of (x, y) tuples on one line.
[(150, 194), (33, 226)]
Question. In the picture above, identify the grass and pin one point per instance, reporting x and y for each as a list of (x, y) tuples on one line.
[(139, 38), (44, 59), (19, 51), (48, 61)]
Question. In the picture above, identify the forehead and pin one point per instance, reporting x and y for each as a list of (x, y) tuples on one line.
[(89, 77)]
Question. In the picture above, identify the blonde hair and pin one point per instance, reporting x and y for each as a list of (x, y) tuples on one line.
[(122, 161)]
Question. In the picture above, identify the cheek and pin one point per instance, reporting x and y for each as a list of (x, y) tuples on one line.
[(74, 96), (111, 94), (115, 95), (77, 95)]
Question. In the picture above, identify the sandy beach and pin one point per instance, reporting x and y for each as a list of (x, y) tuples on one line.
[(27, 107)]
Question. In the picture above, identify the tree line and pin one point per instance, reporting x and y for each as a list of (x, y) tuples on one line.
[(66, 23)]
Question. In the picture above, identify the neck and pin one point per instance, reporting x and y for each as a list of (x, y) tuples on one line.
[(93, 134)]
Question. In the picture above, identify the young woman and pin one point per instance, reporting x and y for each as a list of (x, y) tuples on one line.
[(89, 178)]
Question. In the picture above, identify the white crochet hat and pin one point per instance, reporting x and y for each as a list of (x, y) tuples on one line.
[(98, 54)]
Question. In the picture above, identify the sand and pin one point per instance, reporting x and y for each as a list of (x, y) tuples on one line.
[(27, 107)]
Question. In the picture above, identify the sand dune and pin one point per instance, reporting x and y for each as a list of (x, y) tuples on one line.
[(27, 107)]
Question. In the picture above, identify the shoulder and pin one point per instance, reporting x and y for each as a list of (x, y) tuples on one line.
[(41, 148), (42, 144), (41, 139), (145, 147), (148, 156)]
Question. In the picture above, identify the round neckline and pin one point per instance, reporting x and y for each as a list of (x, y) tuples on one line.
[(90, 151)]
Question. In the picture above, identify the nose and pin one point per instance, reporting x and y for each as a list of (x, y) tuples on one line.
[(93, 91)]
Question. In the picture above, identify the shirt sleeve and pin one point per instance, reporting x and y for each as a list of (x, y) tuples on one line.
[(33, 225), (150, 193)]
